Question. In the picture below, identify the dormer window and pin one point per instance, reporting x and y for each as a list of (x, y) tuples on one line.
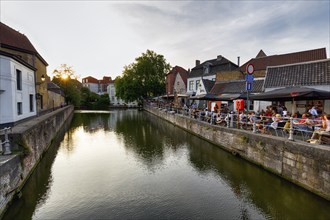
[(206, 69)]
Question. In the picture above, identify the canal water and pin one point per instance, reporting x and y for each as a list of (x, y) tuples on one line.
[(130, 164)]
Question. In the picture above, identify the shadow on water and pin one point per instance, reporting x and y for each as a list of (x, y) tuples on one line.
[(273, 196), (148, 137), (36, 189)]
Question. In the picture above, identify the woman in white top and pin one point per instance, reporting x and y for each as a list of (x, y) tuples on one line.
[(325, 129)]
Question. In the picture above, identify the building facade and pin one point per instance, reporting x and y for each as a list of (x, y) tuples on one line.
[(207, 70), (97, 86), (115, 101), (12, 41), (17, 90)]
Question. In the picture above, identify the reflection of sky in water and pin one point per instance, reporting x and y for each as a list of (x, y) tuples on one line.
[(136, 166)]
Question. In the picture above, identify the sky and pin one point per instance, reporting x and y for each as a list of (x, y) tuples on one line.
[(99, 38)]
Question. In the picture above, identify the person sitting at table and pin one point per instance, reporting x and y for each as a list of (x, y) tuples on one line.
[(274, 124), (325, 129), (304, 123)]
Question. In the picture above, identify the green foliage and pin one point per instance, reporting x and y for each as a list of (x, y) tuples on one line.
[(71, 88), (144, 78), (93, 101), (65, 78)]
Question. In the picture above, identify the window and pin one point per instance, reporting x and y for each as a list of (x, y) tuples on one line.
[(31, 103), (19, 79), (206, 69), (197, 84), (19, 108), (191, 85)]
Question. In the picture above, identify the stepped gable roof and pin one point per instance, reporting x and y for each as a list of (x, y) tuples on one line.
[(14, 40), (219, 64), (236, 86), (208, 84), (289, 58), (299, 74)]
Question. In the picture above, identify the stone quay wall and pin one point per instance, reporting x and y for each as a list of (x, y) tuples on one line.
[(29, 141), (301, 163)]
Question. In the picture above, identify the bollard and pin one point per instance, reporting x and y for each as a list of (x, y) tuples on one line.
[(7, 150), (254, 127), (227, 120), (291, 129), (231, 118)]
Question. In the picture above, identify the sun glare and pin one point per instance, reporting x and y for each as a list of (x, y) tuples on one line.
[(64, 76)]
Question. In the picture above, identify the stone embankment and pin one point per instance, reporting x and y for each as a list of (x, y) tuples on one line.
[(301, 163), (29, 141)]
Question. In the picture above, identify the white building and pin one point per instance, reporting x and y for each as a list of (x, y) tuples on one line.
[(95, 85), (115, 101), (17, 90), (207, 70)]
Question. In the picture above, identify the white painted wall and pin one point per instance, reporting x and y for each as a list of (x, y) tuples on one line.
[(93, 87), (114, 100), (179, 85), (9, 95), (194, 79)]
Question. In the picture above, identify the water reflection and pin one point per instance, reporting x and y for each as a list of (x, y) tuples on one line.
[(277, 198), (36, 190), (103, 159), (147, 137)]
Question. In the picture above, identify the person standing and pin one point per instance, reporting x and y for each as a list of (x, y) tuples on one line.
[(313, 111)]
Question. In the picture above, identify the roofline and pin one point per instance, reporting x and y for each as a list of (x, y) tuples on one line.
[(295, 64), (14, 57), (25, 51), (200, 66), (303, 51), (284, 54)]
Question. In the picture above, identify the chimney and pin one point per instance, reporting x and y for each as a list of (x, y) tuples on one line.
[(219, 57), (198, 62), (238, 61)]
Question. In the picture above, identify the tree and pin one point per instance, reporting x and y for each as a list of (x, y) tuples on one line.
[(91, 100), (144, 78), (65, 77)]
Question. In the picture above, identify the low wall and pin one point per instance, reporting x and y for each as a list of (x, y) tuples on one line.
[(301, 163), (29, 141)]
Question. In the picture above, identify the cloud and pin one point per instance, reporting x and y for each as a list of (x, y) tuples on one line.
[(102, 37)]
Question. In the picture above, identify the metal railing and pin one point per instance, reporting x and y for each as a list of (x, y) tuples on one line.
[(285, 127)]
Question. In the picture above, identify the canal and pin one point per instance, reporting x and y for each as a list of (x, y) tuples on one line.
[(129, 164)]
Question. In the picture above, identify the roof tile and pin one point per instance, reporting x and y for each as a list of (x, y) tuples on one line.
[(300, 74), (262, 63)]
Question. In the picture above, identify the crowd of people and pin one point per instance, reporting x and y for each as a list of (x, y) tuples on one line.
[(312, 123)]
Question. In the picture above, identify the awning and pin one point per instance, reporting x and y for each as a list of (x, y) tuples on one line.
[(292, 93)]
